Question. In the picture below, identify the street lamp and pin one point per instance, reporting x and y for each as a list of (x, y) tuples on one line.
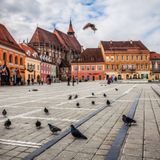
[(77, 56)]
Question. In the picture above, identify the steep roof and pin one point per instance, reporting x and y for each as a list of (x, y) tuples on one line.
[(70, 29), (69, 42), (123, 45), (29, 51), (154, 55), (7, 40), (91, 55), (41, 35)]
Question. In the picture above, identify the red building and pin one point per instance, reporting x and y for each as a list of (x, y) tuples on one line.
[(155, 65), (90, 65)]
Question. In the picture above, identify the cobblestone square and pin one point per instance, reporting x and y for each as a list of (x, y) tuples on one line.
[(24, 107)]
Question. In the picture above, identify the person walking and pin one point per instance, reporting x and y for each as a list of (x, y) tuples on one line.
[(73, 80)]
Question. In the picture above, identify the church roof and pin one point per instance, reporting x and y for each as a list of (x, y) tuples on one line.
[(43, 36), (69, 42)]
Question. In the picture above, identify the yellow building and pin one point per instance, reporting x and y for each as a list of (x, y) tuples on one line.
[(126, 59), (32, 63)]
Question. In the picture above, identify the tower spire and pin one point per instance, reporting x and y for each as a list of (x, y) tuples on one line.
[(70, 29)]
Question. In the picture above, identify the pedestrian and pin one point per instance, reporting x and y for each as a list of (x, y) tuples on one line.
[(28, 81), (73, 80), (32, 81), (68, 80)]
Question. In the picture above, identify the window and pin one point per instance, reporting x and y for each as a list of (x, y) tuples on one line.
[(99, 68), (117, 66), (127, 58), (112, 66), (88, 68), (127, 66), (82, 68), (93, 68), (107, 66), (112, 58), (16, 60), (146, 57), (141, 57), (83, 78), (107, 58), (116, 58), (4, 56), (132, 57), (141, 66), (136, 57), (75, 68), (21, 61), (10, 58), (132, 66), (122, 58), (137, 66)]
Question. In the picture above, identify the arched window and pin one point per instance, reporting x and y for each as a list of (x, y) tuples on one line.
[(21, 61), (16, 60), (10, 58), (4, 56)]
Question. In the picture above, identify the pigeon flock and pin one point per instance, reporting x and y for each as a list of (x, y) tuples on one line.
[(74, 131)]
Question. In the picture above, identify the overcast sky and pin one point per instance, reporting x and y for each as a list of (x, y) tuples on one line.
[(115, 19)]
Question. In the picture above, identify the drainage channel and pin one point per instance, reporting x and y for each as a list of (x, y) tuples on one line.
[(67, 131), (155, 91), (114, 152)]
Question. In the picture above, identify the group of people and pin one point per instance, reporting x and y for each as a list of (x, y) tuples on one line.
[(4, 75)]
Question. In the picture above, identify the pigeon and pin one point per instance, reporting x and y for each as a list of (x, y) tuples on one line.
[(4, 112), (116, 89), (7, 124), (76, 133), (53, 128), (29, 90), (46, 110), (77, 104), (104, 95), (92, 94), (93, 102), (70, 97), (76, 96), (90, 25), (128, 120), (38, 124), (108, 102), (34, 89)]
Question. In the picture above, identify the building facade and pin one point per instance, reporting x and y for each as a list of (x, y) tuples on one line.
[(126, 59), (32, 63), (90, 65), (12, 59), (155, 65)]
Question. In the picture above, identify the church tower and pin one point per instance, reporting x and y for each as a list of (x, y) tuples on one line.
[(70, 29)]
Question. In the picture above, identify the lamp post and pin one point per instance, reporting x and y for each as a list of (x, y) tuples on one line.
[(77, 58)]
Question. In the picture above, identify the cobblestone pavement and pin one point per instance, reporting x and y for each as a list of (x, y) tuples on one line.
[(25, 107)]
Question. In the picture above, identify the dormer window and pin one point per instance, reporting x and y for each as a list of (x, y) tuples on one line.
[(28, 53)]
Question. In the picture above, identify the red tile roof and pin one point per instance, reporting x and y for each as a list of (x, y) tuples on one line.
[(69, 42), (91, 55), (41, 35), (154, 55), (7, 40), (29, 51), (123, 45)]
